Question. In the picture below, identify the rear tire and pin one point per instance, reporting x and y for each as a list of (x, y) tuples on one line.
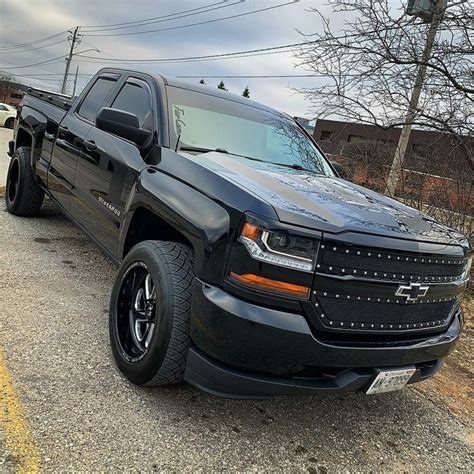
[(23, 195), (10, 122), (150, 309)]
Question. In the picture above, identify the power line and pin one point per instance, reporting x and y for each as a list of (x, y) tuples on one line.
[(31, 43), (163, 18), (200, 22), (34, 64), (269, 50), (33, 49), (43, 79), (261, 76), (154, 18), (244, 76)]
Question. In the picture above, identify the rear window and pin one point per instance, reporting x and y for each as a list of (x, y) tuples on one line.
[(96, 97)]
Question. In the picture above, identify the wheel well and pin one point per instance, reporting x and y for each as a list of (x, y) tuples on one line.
[(148, 226), (23, 138)]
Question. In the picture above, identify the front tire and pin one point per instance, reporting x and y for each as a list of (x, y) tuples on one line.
[(23, 195), (150, 310), (10, 122)]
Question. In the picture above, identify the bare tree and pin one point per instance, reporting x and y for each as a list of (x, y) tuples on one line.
[(7, 85), (372, 62)]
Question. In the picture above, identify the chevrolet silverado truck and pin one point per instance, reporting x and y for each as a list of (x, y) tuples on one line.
[(247, 266)]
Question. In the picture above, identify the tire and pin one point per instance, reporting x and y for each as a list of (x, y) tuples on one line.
[(149, 326), (23, 196), (10, 122)]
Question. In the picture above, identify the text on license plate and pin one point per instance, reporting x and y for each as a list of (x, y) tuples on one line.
[(390, 380)]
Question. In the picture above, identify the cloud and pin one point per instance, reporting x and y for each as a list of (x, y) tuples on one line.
[(26, 21)]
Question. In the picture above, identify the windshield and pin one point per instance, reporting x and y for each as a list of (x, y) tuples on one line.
[(207, 123)]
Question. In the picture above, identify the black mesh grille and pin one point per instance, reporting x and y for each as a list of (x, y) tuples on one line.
[(369, 290), (367, 313), (372, 263)]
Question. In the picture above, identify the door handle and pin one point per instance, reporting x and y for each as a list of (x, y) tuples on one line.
[(63, 129), (90, 145)]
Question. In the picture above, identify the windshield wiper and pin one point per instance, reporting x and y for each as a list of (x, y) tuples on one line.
[(294, 166), (194, 148), (203, 150)]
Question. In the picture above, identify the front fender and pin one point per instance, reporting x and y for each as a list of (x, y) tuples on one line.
[(205, 223)]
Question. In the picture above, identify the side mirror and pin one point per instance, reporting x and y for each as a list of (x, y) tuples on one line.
[(338, 167), (123, 124)]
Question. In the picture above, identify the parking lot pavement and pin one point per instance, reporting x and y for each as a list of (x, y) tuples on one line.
[(83, 415), (5, 136)]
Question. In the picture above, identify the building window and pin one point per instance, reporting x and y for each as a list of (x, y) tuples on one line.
[(355, 138), (326, 135), (14, 95)]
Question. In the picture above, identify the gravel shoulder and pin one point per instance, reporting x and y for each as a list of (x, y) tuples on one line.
[(54, 291)]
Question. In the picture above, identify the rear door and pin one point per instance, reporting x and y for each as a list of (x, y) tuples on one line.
[(109, 165), (71, 135)]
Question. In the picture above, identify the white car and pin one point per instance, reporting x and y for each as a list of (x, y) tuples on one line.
[(7, 115)]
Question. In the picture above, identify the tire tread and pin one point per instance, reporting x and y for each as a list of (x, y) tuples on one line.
[(30, 198), (179, 259)]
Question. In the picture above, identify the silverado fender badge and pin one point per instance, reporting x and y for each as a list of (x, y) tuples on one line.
[(108, 206), (412, 292)]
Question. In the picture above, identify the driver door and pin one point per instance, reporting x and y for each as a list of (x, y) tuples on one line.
[(108, 167)]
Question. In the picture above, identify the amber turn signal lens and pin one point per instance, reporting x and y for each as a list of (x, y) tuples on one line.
[(250, 231), (273, 285)]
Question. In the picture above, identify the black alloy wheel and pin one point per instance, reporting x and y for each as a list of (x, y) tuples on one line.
[(136, 312), (150, 309)]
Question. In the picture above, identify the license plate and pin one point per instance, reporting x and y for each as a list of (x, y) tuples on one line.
[(390, 380)]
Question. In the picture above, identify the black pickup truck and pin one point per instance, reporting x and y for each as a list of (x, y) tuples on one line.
[(247, 266)]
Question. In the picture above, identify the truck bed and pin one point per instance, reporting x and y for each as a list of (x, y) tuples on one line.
[(59, 100)]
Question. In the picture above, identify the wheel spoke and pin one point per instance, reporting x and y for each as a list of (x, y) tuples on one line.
[(138, 313), (149, 288), (139, 303), (149, 334), (133, 331)]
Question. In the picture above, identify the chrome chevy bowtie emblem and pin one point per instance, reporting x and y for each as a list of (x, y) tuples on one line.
[(412, 292)]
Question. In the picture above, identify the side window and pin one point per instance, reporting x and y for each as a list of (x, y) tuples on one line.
[(2, 107), (136, 99), (95, 97)]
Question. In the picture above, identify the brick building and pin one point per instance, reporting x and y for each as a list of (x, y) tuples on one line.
[(435, 172), (424, 148), (11, 92)]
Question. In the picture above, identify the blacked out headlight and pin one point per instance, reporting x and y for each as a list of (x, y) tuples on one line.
[(279, 248)]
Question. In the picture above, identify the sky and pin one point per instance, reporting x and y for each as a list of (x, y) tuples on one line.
[(26, 21)]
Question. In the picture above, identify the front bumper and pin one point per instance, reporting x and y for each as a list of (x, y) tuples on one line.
[(246, 351)]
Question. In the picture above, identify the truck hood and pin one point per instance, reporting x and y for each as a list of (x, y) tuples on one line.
[(334, 205)]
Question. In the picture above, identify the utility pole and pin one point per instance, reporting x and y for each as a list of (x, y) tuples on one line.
[(397, 165), (75, 81), (74, 39)]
